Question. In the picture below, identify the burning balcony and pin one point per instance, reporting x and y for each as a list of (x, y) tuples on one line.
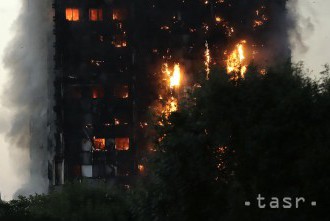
[(72, 14), (122, 144), (99, 143), (95, 14), (173, 75), (236, 62)]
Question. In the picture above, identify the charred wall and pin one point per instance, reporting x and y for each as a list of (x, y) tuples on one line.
[(95, 91)]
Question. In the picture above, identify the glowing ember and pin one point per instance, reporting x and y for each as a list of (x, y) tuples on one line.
[(141, 168), (236, 59), (257, 23), (166, 70), (218, 19), (118, 15), (207, 60), (164, 27), (168, 107), (97, 92)]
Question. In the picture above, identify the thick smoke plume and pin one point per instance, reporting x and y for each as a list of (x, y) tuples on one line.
[(28, 94), (303, 27), (309, 38)]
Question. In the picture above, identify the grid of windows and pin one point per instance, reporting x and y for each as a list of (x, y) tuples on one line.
[(102, 133)]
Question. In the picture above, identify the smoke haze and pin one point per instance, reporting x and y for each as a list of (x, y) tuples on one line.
[(310, 40), (27, 133), (9, 181)]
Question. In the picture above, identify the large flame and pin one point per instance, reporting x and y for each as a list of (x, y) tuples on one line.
[(235, 61), (174, 75), (173, 80)]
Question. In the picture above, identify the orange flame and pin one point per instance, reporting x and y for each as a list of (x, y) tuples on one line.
[(170, 106), (174, 75), (99, 143), (207, 60), (72, 14), (257, 23), (141, 168), (235, 61), (173, 104)]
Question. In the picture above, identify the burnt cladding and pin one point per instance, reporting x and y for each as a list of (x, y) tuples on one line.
[(109, 55), (94, 91)]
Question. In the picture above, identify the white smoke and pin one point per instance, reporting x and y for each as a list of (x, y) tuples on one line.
[(28, 95), (9, 181), (310, 38), (303, 27)]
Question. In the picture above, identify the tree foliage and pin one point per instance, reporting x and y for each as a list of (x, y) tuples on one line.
[(74, 202), (230, 141)]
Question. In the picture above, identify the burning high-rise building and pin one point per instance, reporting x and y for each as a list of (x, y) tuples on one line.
[(114, 58), (95, 95)]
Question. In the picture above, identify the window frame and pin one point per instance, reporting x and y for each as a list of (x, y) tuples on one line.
[(70, 14), (99, 14), (120, 140)]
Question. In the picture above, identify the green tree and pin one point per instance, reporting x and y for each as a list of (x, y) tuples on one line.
[(231, 140), (74, 202)]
